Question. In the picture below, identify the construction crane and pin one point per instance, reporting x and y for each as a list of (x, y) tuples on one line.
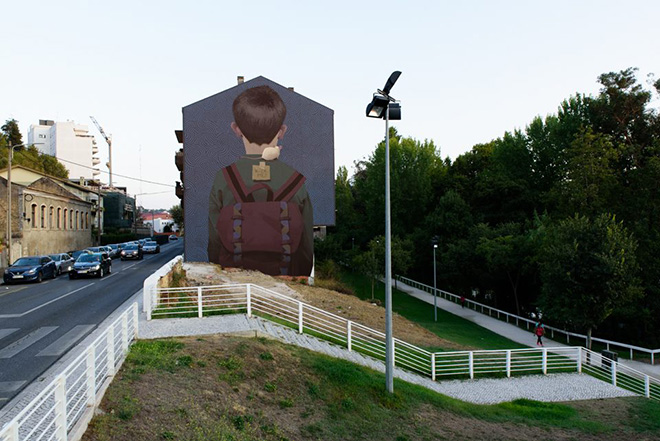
[(108, 139)]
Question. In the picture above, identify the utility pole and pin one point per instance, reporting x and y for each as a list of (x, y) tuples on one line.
[(9, 256)]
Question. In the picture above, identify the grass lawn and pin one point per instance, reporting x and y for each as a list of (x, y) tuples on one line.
[(228, 388), (448, 326)]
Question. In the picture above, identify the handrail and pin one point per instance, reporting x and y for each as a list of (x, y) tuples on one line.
[(308, 319), (456, 298), (56, 418)]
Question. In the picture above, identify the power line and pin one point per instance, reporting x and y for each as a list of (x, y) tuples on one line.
[(115, 174)]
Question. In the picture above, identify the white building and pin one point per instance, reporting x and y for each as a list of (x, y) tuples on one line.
[(70, 143)]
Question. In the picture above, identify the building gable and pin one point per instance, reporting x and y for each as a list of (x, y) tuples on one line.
[(49, 186)]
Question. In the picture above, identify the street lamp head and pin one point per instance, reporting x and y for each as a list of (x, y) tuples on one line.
[(376, 108), (390, 81)]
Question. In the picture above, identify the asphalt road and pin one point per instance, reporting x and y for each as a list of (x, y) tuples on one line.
[(40, 322)]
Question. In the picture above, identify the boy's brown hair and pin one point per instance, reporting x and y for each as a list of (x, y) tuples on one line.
[(259, 112)]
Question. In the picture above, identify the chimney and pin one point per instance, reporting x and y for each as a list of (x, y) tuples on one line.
[(290, 88), (240, 79)]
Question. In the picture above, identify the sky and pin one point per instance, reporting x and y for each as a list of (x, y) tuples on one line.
[(471, 70)]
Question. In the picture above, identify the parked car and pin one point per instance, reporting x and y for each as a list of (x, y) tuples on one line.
[(97, 249), (96, 264), (132, 252), (114, 250), (76, 254), (151, 247), (63, 261), (30, 268), (174, 237)]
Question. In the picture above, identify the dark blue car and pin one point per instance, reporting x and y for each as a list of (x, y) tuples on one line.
[(32, 268)]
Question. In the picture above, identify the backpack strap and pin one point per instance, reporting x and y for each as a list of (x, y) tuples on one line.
[(290, 187), (236, 184)]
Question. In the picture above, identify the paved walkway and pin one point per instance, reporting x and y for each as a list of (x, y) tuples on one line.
[(508, 330)]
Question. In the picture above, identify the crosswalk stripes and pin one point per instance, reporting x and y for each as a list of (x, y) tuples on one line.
[(5, 332), (62, 344), (27, 341)]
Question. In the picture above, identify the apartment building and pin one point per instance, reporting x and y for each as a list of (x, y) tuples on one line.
[(70, 143)]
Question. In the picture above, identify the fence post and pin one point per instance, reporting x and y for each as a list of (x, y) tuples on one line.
[(631, 353), (60, 408), (249, 300), (13, 431), (111, 351), (348, 335), (647, 387), (433, 366), (508, 363), (124, 332), (471, 364), (613, 363), (300, 317), (91, 376), (652, 358), (544, 360), (579, 359), (136, 320), (200, 312)]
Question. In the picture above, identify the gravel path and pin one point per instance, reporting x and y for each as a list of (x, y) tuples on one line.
[(554, 387)]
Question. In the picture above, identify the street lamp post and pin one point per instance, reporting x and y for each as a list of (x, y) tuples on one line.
[(380, 108), (435, 291)]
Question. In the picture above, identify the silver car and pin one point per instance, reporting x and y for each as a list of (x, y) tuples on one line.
[(63, 262), (151, 247)]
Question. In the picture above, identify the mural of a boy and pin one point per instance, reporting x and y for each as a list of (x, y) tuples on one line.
[(260, 214)]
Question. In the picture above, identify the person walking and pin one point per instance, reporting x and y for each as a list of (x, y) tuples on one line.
[(462, 302), (539, 331)]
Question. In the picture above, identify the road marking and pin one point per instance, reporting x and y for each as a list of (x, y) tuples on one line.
[(130, 266), (45, 304), (62, 344), (8, 290), (5, 332), (26, 341), (10, 386)]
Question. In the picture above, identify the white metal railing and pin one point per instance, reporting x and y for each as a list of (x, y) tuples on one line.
[(150, 283), (252, 300), (67, 404), (525, 322)]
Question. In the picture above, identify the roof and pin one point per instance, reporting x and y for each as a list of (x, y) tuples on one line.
[(258, 81)]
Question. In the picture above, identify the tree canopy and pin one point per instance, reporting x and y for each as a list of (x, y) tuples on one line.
[(520, 217)]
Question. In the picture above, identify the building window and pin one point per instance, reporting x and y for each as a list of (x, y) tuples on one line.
[(66, 211), (75, 224), (70, 219), (33, 216), (42, 136), (59, 218), (51, 211), (43, 216)]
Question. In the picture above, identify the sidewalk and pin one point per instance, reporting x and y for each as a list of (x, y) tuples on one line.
[(507, 330)]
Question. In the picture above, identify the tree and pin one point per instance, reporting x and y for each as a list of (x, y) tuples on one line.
[(588, 268), (11, 131), (367, 264), (177, 215)]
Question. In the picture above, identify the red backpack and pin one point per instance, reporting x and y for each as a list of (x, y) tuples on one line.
[(260, 235)]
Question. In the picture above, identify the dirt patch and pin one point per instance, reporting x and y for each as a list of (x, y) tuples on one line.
[(344, 305)]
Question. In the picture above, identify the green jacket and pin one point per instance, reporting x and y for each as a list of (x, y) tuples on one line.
[(221, 196)]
